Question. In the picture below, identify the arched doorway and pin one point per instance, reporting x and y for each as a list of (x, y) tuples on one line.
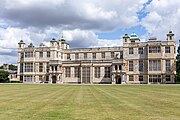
[(54, 79), (118, 79)]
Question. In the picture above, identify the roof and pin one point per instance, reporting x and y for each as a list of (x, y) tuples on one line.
[(134, 36)]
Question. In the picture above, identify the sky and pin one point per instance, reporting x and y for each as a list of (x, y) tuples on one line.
[(84, 23)]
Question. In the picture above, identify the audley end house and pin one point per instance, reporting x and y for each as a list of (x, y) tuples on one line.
[(135, 62)]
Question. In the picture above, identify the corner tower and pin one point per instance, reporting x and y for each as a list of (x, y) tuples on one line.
[(170, 36)]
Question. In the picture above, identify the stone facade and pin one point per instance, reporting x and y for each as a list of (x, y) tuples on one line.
[(135, 62)]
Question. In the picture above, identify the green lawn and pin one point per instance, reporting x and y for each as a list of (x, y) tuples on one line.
[(93, 102)]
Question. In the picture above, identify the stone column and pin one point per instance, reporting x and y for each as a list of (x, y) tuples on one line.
[(57, 79), (113, 81), (50, 79), (122, 81), (81, 74), (92, 74)]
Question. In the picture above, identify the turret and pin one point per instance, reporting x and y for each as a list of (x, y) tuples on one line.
[(63, 43), (42, 45), (31, 45), (134, 38), (170, 36), (53, 43), (126, 38), (21, 44)]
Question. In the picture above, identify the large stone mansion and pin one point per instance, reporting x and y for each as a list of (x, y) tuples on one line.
[(135, 62)]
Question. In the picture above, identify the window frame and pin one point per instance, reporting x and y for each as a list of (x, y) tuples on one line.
[(85, 56), (76, 56), (131, 77), (154, 49), (103, 55), (167, 49), (77, 72), (141, 78), (67, 72), (28, 67), (97, 72), (48, 54), (107, 72), (112, 54), (131, 66), (131, 50), (40, 67), (168, 65), (94, 55), (154, 65), (140, 50), (168, 78), (68, 56), (141, 65), (41, 55)]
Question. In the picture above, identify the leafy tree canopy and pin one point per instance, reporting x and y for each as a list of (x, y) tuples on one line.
[(4, 76), (178, 65)]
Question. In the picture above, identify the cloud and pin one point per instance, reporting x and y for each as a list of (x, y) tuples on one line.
[(163, 16), (77, 38), (70, 14), (39, 21)]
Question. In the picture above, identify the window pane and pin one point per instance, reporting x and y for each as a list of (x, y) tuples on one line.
[(168, 78), (67, 72), (85, 55), (131, 78), (140, 50), (168, 65), (103, 55), (154, 65), (40, 67), (40, 54), (112, 54), (154, 49), (48, 54), (97, 72), (77, 72), (131, 51), (94, 55), (141, 65), (107, 72), (131, 67), (140, 78), (167, 49)]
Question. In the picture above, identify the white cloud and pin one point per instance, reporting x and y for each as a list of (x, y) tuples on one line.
[(41, 20), (163, 16), (79, 38), (82, 14)]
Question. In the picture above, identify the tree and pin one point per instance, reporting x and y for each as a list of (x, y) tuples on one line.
[(1, 67), (4, 76), (178, 65), (12, 67)]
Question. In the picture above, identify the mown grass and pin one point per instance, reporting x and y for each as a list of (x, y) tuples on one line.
[(91, 102)]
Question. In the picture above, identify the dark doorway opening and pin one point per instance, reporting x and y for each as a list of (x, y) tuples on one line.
[(118, 80), (54, 79)]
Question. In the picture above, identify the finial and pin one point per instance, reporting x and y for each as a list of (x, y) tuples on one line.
[(62, 35)]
